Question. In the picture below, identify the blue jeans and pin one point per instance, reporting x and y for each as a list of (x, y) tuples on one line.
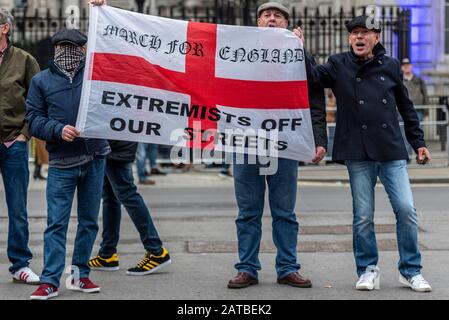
[(393, 175), (14, 169), (330, 143), (118, 189), (61, 185), (250, 195), (145, 151)]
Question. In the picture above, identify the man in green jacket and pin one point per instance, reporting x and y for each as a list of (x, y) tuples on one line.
[(16, 70)]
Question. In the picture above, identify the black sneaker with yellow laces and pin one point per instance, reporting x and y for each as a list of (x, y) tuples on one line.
[(104, 263), (150, 263)]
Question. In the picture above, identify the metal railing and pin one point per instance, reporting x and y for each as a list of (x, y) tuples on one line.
[(326, 33), (436, 131), (324, 28)]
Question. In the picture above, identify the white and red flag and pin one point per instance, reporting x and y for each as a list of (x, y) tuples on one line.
[(191, 84)]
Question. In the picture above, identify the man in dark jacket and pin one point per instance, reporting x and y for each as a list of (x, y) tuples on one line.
[(118, 189), (368, 87), (415, 85), (74, 163), (16, 70), (417, 92), (282, 185)]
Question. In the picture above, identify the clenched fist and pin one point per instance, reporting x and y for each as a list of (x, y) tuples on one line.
[(97, 2), (69, 133)]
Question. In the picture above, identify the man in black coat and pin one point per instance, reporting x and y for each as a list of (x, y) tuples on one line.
[(119, 189), (368, 87)]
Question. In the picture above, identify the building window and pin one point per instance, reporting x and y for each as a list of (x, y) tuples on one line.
[(446, 33)]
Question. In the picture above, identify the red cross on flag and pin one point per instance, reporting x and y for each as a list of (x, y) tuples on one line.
[(196, 85)]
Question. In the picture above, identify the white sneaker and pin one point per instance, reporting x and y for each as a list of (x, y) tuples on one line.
[(369, 280), (416, 283), (26, 275)]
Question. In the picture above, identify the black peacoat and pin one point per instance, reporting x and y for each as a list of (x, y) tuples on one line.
[(369, 94)]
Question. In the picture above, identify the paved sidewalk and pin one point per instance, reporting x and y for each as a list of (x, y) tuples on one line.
[(334, 174), (338, 173), (195, 215)]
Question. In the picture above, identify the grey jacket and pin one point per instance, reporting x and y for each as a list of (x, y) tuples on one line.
[(417, 90)]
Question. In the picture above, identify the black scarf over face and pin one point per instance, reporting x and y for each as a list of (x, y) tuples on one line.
[(68, 57)]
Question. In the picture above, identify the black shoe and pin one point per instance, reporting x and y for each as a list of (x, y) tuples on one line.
[(150, 263), (156, 171), (104, 264), (39, 177), (225, 174), (37, 173)]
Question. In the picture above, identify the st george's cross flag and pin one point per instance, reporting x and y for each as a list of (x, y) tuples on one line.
[(195, 85)]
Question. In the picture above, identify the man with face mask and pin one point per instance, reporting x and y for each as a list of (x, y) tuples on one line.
[(74, 163)]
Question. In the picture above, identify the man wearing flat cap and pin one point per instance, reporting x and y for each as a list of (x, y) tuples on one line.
[(369, 89), (250, 188), (75, 164), (415, 85), (417, 92), (16, 70), (267, 8)]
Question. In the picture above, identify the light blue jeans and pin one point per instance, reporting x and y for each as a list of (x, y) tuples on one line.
[(394, 176), (250, 194)]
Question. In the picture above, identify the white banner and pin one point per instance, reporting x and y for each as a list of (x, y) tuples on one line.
[(206, 86)]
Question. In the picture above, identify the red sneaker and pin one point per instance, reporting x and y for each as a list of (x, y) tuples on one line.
[(84, 285), (44, 292)]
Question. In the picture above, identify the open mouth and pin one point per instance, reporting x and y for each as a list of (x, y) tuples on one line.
[(360, 45)]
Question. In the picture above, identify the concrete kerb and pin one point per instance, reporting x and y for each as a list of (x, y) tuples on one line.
[(334, 174)]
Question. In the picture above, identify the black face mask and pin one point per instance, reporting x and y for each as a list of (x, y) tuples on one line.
[(68, 57)]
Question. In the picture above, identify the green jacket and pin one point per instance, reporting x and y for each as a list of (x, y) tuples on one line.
[(16, 71)]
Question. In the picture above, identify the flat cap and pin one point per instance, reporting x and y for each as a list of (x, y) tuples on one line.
[(72, 36), (364, 21), (405, 61), (273, 5)]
